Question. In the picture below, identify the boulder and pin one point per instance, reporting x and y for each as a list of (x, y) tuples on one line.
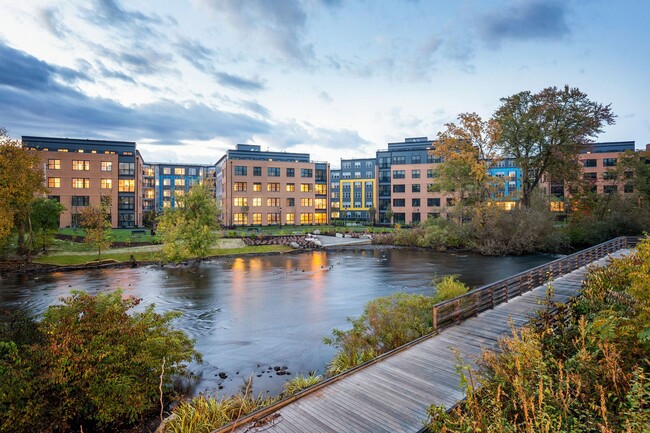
[(316, 232), (294, 245)]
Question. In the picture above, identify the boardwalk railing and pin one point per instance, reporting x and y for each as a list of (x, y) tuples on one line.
[(487, 297)]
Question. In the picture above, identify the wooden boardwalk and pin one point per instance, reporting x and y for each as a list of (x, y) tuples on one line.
[(392, 395)]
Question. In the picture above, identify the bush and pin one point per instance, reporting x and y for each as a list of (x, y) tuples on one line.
[(386, 323), (448, 287), (300, 383), (90, 364)]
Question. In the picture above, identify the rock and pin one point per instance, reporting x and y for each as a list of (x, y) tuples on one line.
[(339, 235), (294, 245), (277, 368), (316, 232), (223, 375), (318, 243), (347, 236), (280, 373)]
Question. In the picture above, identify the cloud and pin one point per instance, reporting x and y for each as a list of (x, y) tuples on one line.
[(110, 14), (280, 24), (291, 134), (35, 102), (49, 17), (196, 54), (325, 97), (238, 82), (534, 19), (256, 107)]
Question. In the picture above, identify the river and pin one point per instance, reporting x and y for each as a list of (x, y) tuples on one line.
[(250, 314)]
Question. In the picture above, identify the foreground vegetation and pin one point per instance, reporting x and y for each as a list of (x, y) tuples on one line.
[(586, 368), (89, 364)]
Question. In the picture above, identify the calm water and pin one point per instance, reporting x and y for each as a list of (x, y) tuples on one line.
[(249, 314)]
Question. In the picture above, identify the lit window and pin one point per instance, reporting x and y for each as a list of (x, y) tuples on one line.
[(306, 187), (54, 164), (126, 185), (108, 166), (291, 218), (80, 183), (179, 171), (240, 186), (81, 165), (179, 182), (320, 189), (321, 218), (257, 218), (306, 202), (273, 218), (320, 203), (54, 182), (241, 201), (291, 187), (306, 218), (240, 219), (107, 183), (273, 187), (257, 186), (167, 170), (272, 202)]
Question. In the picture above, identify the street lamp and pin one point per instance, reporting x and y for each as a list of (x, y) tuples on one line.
[(280, 216)]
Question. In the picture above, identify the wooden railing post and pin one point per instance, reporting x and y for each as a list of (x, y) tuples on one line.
[(435, 318), (457, 310)]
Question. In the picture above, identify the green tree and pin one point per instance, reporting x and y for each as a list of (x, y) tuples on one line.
[(546, 131), (44, 217), (21, 178), (95, 220), (389, 214), (190, 229), (468, 150), (372, 214)]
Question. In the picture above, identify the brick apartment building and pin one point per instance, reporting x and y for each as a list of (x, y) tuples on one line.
[(78, 173), (353, 190), (255, 187)]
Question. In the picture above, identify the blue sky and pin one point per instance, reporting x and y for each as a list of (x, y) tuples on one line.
[(188, 79)]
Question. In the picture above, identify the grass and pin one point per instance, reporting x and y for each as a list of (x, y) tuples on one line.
[(125, 256), (300, 382), (119, 235)]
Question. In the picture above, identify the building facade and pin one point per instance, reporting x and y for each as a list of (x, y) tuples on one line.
[(406, 187), (255, 187), (353, 191), (508, 183), (173, 179), (80, 173)]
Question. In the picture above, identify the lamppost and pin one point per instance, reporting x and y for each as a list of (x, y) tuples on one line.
[(280, 216)]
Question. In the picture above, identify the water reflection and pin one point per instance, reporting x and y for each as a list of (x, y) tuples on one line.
[(248, 314)]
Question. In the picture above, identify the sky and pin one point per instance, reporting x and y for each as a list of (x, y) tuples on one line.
[(188, 79)]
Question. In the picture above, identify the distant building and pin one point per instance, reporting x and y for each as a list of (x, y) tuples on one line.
[(354, 190), (508, 185), (78, 173), (255, 187), (173, 179), (405, 182)]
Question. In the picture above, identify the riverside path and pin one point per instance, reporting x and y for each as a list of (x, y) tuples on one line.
[(392, 393)]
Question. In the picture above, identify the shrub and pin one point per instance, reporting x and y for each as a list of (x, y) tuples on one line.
[(300, 382), (386, 323), (91, 364), (448, 287)]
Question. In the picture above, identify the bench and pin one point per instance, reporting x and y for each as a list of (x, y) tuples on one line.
[(138, 232)]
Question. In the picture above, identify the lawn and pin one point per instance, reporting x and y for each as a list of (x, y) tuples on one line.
[(119, 235)]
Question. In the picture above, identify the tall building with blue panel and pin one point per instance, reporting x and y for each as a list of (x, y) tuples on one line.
[(172, 179), (507, 182)]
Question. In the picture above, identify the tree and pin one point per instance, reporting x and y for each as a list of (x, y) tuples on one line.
[(21, 178), (190, 229), (389, 214), (44, 217), (546, 131), (467, 150), (95, 221), (372, 215)]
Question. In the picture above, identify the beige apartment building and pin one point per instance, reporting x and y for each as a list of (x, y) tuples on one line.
[(255, 187)]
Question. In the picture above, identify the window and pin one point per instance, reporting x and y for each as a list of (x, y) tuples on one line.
[(257, 186), (335, 214), (191, 171), (273, 187), (291, 202), (399, 202), (435, 202), (368, 173), (291, 187), (126, 169), (346, 164), (54, 182), (320, 189), (628, 188), (241, 170), (368, 194), (346, 194), (149, 194), (257, 171), (415, 217), (415, 174), (346, 185), (81, 165), (399, 188), (291, 218), (336, 204), (240, 219), (451, 201), (126, 219), (320, 203), (273, 218), (399, 160), (54, 164), (80, 183), (357, 175), (416, 159), (126, 185), (368, 164), (56, 198), (273, 171), (306, 172), (415, 202), (321, 175), (306, 202), (610, 189), (321, 218), (126, 203), (357, 164), (357, 204), (167, 193), (336, 175), (306, 218), (80, 200), (590, 176), (257, 201), (609, 162), (257, 218), (167, 170), (273, 202), (384, 162), (241, 201), (179, 171), (291, 172), (306, 187), (179, 182), (108, 166), (108, 184), (608, 175), (240, 186), (415, 187), (398, 174), (167, 182), (357, 184), (357, 194)]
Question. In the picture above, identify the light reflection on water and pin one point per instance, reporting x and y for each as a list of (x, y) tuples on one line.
[(251, 313)]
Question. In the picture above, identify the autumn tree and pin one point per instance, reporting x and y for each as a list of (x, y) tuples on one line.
[(44, 218), (467, 150), (21, 179), (546, 131), (189, 230), (95, 220)]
